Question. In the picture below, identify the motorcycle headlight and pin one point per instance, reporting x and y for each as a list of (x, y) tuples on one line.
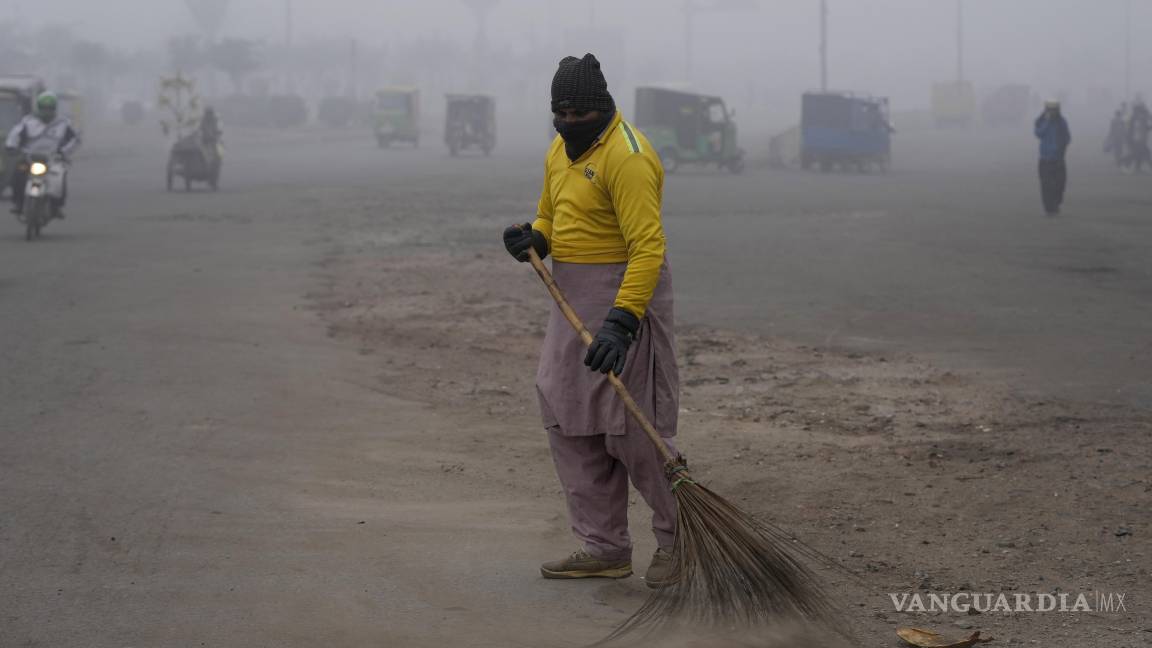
[(38, 168)]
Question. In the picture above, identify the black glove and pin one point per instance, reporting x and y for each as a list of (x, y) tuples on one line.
[(518, 238), (610, 346)]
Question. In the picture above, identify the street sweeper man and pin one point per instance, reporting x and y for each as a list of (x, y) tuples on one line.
[(599, 219)]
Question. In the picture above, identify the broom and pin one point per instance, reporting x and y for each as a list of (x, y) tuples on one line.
[(729, 570)]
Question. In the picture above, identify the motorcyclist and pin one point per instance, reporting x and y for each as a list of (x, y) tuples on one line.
[(43, 124)]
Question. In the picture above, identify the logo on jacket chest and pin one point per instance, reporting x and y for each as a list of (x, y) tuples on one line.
[(590, 173)]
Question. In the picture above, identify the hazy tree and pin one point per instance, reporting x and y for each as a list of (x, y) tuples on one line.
[(236, 57), (186, 53), (88, 57), (209, 15)]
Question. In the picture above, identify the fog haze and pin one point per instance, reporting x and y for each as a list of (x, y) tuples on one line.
[(766, 51)]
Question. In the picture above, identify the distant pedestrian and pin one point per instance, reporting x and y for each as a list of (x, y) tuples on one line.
[(1139, 126), (1052, 130), (1116, 142)]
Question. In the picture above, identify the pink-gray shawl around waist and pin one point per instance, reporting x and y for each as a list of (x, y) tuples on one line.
[(582, 402)]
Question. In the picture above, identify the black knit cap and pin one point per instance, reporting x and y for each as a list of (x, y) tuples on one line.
[(579, 85)]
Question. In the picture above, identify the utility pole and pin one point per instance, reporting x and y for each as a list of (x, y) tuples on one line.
[(959, 42), (481, 9), (824, 45), (689, 9), (1128, 50), (353, 71), (288, 23)]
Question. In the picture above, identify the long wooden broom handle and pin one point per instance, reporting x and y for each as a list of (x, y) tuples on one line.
[(574, 320)]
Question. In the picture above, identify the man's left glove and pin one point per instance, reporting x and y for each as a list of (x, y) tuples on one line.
[(518, 238), (610, 346)]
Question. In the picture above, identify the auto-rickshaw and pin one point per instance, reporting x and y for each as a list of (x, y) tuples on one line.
[(845, 131), (17, 95), (687, 128), (471, 122), (397, 116)]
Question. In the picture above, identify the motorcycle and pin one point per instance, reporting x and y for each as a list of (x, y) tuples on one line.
[(44, 190)]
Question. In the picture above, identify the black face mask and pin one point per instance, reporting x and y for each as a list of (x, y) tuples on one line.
[(580, 136)]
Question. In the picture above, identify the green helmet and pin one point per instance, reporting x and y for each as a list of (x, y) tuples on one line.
[(46, 106)]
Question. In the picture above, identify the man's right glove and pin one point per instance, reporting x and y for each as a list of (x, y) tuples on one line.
[(610, 346), (518, 238)]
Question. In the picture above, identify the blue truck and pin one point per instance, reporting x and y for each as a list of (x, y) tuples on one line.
[(840, 130)]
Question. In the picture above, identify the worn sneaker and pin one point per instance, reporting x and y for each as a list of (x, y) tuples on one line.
[(581, 564), (659, 570)]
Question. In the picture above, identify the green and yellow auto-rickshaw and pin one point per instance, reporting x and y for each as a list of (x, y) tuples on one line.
[(397, 116), (687, 128), (17, 95)]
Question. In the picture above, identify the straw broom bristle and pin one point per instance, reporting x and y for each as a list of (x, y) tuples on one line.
[(731, 571)]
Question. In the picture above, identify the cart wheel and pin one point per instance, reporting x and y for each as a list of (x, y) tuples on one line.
[(670, 160)]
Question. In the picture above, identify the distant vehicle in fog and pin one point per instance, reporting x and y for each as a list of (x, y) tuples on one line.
[(954, 104), (337, 112), (844, 131), (17, 93), (397, 116), (132, 112), (1007, 106), (264, 111), (688, 128), (470, 123), (198, 156)]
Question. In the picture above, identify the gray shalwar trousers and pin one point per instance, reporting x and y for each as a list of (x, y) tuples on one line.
[(595, 444)]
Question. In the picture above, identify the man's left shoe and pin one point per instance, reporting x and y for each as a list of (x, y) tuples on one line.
[(659, 570)]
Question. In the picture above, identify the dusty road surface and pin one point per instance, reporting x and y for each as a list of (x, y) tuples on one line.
[(299, 412)]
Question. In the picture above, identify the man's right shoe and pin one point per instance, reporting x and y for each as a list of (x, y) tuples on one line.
[(659, 574), (581, 564)]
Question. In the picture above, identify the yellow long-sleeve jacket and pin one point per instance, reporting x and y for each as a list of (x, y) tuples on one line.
[(604, 207)]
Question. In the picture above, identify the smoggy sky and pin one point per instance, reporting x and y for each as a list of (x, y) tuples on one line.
[(891, 47)]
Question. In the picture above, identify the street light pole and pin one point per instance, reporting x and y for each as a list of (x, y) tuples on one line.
[(1128, 50), (824, 45), (959, 41), (689, 8), (288, 23)]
